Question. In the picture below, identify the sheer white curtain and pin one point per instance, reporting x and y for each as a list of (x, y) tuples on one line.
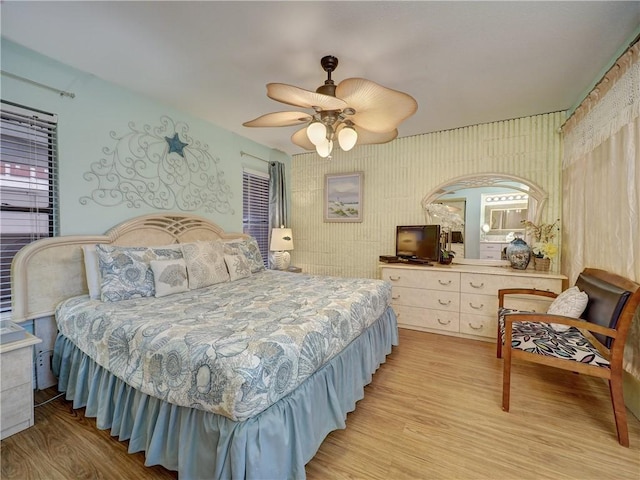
[(601, 184)]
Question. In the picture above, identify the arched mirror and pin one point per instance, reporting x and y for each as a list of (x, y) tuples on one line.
[(492, 206)]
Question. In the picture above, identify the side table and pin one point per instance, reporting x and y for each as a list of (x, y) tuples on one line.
[(16, 388)]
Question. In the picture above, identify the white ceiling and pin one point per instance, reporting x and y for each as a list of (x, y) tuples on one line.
[(464, 62)]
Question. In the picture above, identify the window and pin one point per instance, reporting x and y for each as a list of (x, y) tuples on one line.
[(28, 179), (255, 208)]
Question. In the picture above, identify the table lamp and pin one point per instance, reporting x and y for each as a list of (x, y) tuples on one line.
[(281, 241)]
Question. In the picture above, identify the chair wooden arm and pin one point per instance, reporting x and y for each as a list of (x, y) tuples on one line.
[(523, 291)]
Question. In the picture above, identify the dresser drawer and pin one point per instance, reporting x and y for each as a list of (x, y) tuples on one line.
[(481, 325), (490, 284), (529, 303), (427, 279), (427, 318), (17, 405), (417, 297), (476, 304), (16, 368)]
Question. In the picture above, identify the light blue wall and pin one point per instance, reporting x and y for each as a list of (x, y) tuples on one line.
[(84, 126)]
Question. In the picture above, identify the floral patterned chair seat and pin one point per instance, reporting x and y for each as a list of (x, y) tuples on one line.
[(543, 339)]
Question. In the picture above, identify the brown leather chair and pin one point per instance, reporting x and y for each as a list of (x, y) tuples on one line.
[(592, 345)]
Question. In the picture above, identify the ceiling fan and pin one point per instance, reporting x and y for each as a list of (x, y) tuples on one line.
[(354, 111)]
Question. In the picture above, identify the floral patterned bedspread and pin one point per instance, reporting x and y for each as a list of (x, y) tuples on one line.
[(233, 348)]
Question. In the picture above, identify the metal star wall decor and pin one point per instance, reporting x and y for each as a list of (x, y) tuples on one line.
[(175, 145), (153, 166)]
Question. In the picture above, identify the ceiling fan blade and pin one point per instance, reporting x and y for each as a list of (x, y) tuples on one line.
[(299, 97), (279, 119), (367, 137), (300, 138), (378, 109)]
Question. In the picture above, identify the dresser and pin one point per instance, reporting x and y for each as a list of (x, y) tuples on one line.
[(16, 394), (462, 300)]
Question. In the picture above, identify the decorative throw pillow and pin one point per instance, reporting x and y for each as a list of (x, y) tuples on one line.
[(205, 264), (570, 303), (126, 272), (92, 271), (249, 248), (238, 266), (169, 276)]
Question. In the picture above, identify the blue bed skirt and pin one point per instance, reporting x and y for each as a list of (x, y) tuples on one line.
[(276, 444)]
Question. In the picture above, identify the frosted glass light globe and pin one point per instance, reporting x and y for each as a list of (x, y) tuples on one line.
[(325, 148), (317, 133), (347, 138)]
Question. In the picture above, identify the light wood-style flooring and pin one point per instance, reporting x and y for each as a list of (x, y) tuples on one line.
[(431, 412)]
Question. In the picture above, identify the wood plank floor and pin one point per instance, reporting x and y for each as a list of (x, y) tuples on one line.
[(431, 412)]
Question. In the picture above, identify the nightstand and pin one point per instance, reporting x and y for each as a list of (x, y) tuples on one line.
[(16, 394)]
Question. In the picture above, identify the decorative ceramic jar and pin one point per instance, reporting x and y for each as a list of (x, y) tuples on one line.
[(519, 254)]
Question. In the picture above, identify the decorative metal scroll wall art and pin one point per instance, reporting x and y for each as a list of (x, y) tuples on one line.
[(162, 167)]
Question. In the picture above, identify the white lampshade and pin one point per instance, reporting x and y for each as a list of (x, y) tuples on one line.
[(324, 149), (317, 133), (281, 239), (347, 138)]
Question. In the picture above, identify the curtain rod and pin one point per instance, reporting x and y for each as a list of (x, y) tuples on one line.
[(37, 84), (243, 154)]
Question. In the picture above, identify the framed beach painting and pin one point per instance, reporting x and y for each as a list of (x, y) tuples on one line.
[(343, 197)]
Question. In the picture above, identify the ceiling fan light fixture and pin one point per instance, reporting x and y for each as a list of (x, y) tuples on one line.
[(324, 148), (317, 133), (347, 138), (353, 111)]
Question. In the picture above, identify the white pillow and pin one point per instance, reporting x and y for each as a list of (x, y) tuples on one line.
[(92, 271), (205, 264), (169, 276), (238, 266), (570, 303)]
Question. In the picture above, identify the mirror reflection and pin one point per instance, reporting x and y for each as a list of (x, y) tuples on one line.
[(492, 206)]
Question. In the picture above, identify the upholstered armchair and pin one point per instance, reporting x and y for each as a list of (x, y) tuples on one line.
[(592, 344)]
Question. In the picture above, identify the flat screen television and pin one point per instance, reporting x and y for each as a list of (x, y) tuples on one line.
[(418, 241)]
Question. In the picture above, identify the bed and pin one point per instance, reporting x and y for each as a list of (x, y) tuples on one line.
[(242, 378)]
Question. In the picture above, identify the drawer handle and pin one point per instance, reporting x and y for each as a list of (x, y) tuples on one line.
[(476, 308), (476, 286), (444, 323), (394, 279), (444, 283), (396, 297), (476, 328), (444, 303)]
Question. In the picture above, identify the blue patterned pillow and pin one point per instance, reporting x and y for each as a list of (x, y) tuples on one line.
[(126, 272), (249, 248)]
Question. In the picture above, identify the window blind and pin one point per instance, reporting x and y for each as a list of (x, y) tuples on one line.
[(255, 209), (28, 185)]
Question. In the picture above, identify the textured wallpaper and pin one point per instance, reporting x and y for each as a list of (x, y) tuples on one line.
[(397, 176)]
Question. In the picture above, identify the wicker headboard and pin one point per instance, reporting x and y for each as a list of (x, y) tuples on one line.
[(50, 270)]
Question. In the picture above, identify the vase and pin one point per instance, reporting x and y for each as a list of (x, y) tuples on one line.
[(542, 264), (519, 254)]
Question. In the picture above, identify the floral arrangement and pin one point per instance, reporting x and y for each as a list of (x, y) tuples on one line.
[(442, 215), (448, 220), (544, 250), (543, 235)]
